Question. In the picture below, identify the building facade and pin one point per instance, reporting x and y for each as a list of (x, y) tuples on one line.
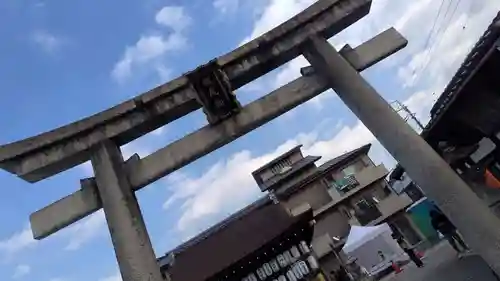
[(261, 242), (347, 190), (305, 205)]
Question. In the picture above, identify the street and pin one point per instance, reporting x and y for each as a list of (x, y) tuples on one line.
[(442, 264)]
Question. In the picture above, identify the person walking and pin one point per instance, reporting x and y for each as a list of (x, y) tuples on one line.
[(444, 226), (410, 252)]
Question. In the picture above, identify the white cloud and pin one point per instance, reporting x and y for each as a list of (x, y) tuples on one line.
[(46, 41), (275, 13), (348, 138), (163, 72), (420, 103), (21, 270), (290, 71), (86, 230), (425, 66), (87, 169), (212, 195), (174, 17), (150, 50), (136, 146), (129, 149), (432, 65), (228, 185), (226, 6), (17, 242)]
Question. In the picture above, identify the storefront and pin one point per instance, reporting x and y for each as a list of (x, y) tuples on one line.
[(288, 257)]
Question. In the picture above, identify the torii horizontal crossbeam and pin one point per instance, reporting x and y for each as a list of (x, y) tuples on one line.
[(209, 138), (45, 155)]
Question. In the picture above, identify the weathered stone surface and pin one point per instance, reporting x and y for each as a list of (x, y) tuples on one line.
[(42, 156), (134, 252), (207, 139)]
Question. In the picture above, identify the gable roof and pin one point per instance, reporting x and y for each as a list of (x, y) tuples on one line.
[(277, 159), (342, 159), (229, 241), (296, 167), (261, 202)]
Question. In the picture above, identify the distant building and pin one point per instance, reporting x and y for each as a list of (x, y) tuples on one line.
[(401, 183), (347, 190), (304, 204)]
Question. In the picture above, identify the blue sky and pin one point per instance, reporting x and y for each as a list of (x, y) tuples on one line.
[(64, 60)]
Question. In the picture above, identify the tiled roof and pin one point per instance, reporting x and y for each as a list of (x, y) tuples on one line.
[(340, 160), (237, 215), (474, 60), (222, 246), (230, 241)]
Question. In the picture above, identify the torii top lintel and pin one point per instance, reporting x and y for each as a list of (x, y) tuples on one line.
[(49, 153)]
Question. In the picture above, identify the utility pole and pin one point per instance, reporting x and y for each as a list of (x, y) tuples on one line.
[(412, 115)]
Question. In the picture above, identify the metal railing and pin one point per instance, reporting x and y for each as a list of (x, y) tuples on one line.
[(344, 184)]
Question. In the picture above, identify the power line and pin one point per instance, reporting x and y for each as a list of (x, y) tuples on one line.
[(429, 51), (432, 48), (434, 25)]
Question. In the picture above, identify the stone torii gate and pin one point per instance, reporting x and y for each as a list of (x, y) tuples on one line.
[(98, 137)]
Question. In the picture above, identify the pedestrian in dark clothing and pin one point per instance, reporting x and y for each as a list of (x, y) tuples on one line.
[(409, 251), (340, 275), (441, 223)]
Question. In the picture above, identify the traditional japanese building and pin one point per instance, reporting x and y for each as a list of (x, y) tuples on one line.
[(263, 241), (347, 190), (297, 230)]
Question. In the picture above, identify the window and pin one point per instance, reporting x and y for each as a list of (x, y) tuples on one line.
[(366, 211), (363, 205)]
